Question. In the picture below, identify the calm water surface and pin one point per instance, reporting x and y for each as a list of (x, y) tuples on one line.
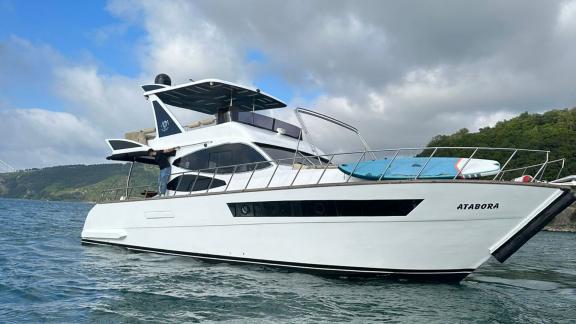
[(46, 275)]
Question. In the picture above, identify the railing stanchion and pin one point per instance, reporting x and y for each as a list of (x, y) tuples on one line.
[(212, 180), (526, 168), (298, 172), (251, 174), (541, 168), (179, 182), (325, 168), (389, 165), (426, 164), (129, 176), (273, 173), (230, 180), (465, 164), (505, 164), (356, 166), (560, 171), (127, 192), (194, 183)]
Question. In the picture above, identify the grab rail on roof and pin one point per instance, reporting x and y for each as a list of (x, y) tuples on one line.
[(127, 192), (332, 120)]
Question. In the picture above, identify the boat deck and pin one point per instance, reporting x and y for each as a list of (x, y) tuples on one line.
[(322, 170)]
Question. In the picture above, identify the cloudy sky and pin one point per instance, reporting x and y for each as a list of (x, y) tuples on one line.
[(401, 71)]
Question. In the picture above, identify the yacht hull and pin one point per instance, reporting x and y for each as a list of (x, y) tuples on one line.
[(437, 230)]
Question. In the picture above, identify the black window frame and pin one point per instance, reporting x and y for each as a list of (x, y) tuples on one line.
[(118, 144), (193, 183), (301, 157), (324, 208), (205, 163)]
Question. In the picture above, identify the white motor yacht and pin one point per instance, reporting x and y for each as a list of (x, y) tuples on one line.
[(248, 188)]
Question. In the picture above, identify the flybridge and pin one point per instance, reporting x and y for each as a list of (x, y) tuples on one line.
[(226, 100), (211, 95)]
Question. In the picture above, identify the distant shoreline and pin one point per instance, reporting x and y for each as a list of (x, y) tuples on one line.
[(549, 228)]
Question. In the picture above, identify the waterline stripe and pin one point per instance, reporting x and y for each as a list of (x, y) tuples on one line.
[(343, 269)]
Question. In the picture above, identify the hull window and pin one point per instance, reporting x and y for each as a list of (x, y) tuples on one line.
[(324, 208), (223, 157), (190, 182)]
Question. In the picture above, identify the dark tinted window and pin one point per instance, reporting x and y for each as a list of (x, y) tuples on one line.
[(286, 156), (120, 145), (265, 122), (289, 129), (324, 208), (189, 182), (224, 157)]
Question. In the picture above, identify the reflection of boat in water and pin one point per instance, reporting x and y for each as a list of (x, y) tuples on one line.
[(249, 188)]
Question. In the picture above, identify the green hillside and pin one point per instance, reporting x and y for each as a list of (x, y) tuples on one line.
[(72, 182), (554, 130)]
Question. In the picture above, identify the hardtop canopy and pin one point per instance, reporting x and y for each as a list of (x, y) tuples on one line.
[(210, 95)]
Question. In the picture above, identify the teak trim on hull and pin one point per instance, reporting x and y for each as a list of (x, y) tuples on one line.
[(452, 275)]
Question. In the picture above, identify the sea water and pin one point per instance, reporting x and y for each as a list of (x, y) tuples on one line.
[(46, 275)]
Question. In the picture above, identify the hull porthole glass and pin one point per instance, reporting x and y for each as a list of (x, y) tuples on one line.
[(245, 209)]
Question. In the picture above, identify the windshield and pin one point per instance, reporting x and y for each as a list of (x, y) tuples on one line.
[(286, 156)]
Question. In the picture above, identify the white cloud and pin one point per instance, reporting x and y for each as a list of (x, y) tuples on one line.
[(567, 16), (113, 103), (490, 119), (38, 137), (181, 42), (406, 71), (400, 71)]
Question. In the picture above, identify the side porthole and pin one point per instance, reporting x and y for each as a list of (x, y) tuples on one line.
[(319, 208), (245, 209)]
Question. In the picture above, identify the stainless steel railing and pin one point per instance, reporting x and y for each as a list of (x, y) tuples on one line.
[(128, 193), (539, 174)]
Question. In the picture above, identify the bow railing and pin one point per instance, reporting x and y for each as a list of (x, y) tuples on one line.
[(322, 169)]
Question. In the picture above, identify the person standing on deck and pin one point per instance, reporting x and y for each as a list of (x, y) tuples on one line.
[(161, 158)]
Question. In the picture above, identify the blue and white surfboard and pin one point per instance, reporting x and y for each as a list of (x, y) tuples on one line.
[(408, 168)]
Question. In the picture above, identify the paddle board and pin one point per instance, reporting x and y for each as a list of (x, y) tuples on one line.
[(409, 167)]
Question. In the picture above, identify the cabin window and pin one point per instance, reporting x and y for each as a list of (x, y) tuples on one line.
[(223, 157), (190, 183), (121, 144), (286, 155)]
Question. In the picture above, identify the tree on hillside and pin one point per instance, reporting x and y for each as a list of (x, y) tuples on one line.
[(554, 130)]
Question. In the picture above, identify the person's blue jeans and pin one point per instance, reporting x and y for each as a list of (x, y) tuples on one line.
[(163, 180)]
